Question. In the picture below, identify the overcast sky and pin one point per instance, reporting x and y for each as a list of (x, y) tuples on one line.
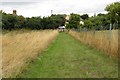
[(29, 8)]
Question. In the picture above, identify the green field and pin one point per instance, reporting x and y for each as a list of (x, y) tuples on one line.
[(66, 57)]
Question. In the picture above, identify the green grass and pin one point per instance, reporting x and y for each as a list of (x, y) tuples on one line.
[(68, 58)]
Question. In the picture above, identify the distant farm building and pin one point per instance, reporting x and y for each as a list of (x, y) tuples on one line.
[(68, 17), (81, 23)]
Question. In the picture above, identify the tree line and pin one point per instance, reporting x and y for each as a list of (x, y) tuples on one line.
[(11, 22), (99, 21)]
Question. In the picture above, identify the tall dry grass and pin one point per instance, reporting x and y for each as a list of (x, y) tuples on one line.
[(106, 41), (19, 49)]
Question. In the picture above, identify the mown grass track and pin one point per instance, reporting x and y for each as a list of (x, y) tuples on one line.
[(68, 58)]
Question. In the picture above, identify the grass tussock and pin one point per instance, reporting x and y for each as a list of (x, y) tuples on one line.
[(19, 49), (106, 41)]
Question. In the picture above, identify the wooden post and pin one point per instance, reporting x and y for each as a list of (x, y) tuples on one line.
[(110, 35), (110, 27)]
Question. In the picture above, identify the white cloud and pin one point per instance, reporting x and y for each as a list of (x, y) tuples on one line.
[(43, 7)]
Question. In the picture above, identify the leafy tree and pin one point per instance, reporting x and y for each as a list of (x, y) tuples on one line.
[(74, 21), (9, 21), (20, 22), (114, 12), (84, 16), (88, 24), (98, 22), (33, 23), (58, 20)]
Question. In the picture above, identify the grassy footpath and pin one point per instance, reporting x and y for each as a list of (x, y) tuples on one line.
[(68, 58)]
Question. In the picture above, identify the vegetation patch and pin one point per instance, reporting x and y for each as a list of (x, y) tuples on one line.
[(19, 49), (68, 58), (106, 41)]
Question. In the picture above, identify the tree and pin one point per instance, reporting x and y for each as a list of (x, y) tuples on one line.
[(100, 21), (114, 12), (33, 23), (74, 21), (84, 16), (88, 24), (20, 22), (58, 20), (8, 21)]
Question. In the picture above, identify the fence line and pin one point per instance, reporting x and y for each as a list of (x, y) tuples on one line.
[(105, 40)]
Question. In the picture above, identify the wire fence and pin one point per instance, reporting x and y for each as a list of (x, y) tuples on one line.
[(105, 40)]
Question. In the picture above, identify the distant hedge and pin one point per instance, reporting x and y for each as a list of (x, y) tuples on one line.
[(11, 22)]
